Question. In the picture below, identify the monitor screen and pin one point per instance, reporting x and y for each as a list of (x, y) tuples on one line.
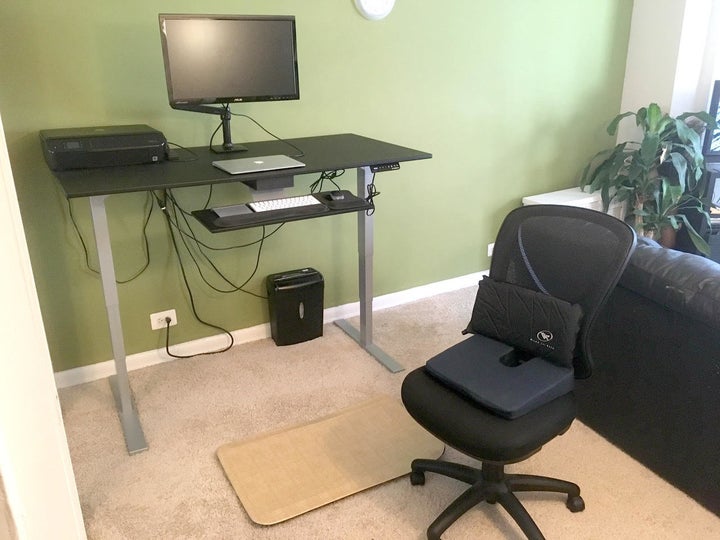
[(229, 58)]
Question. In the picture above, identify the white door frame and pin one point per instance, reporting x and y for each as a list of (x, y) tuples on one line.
[(35, 465)]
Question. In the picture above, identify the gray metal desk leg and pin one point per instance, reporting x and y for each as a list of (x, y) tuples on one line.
[(120, 384), (365, 280)]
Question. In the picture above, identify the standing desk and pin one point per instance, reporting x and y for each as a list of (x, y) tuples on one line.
[(321, 153)]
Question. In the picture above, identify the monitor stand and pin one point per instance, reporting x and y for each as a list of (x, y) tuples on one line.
[(224, 112), (227, 146)]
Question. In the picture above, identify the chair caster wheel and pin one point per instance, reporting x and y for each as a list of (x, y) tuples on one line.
[(575, 504), (417, 478)]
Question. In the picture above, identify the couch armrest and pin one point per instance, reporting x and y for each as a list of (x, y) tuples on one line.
[(686, 283)]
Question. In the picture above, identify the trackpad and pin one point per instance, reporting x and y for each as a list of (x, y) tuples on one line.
[(232, 210)]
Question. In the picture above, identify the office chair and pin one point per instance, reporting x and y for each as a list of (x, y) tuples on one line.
[(524, 401)]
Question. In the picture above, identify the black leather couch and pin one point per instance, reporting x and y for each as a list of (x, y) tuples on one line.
[(655, 388)]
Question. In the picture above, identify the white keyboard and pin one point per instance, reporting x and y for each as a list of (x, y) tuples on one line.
[(281, 204)]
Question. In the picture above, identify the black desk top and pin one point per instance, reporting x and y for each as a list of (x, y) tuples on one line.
[(321, 153)]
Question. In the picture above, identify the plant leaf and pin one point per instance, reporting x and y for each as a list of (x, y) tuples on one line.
[(702, 116), (688, 136), (600, 176), (665, 127), (589, 173), (649, 149), (606, 199), (681, 166), (697, 240), (619, 161), (671, 195), (612, 126), (654, 115), (641, 118)]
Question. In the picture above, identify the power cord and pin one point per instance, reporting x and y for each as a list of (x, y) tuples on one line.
[(175, 215), (192, 305), (330, 176), (168, 320), (145, 244), (372, 192), (197, 246), (193, 155)]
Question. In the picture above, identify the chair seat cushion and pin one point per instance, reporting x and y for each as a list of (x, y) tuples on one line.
[(484, 370), (462, 423)]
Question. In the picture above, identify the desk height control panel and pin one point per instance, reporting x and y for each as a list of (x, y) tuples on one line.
[(385, 167)]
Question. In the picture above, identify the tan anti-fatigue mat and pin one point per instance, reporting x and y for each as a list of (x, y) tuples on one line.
[(286, 473)]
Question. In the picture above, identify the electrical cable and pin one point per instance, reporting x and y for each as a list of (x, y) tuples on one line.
[(80, 237), (175, 214), (212, 135), (372, 192), (186, 236), (193, 155), (209, 197), (146, 246), (192, 235), (192, 306), (317, 185)]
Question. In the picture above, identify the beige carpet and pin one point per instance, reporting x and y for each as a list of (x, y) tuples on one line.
[(189, 408), (280, 475)]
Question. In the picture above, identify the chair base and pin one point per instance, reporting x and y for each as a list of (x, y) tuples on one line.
[(492, 485)]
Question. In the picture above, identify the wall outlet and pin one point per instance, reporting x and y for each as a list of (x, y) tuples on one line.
[(490, 249), (158, 322)]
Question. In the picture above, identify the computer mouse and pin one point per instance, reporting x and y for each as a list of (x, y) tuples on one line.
[(336, 195)]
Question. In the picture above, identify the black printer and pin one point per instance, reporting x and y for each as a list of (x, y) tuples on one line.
[(102, 146)]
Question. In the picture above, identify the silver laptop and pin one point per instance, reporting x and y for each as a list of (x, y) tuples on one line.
[(257, 164)]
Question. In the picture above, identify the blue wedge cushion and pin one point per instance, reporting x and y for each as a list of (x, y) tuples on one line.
[(476, 368), (530, 320)]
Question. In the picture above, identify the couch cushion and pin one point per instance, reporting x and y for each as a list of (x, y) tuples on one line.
[(686, 283)]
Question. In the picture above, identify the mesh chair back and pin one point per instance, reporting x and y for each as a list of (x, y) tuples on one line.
[(572, 253)]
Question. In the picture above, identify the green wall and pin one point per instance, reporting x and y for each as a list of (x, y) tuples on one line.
[(511, 98)]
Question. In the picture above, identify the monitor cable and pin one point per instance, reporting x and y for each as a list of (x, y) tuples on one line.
[(226, 107)]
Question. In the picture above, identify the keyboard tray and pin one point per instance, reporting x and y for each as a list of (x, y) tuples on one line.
[(215, 224)]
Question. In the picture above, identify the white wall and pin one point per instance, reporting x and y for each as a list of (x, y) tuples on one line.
[(7, 523), (695, 69), (671, 57), (34, 458)]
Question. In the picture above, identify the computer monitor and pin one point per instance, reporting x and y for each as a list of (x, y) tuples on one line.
[(224, 59)]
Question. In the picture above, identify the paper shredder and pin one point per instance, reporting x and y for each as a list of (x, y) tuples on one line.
[(295, 299)]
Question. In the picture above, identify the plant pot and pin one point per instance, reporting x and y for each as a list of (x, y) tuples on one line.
[(668, 237)]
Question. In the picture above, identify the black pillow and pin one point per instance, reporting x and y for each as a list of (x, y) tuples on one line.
[(532, 321)]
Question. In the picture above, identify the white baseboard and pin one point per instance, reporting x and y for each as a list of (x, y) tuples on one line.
[(101, 370)]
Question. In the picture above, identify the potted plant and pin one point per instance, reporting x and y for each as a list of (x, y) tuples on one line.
[(661, 177)]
